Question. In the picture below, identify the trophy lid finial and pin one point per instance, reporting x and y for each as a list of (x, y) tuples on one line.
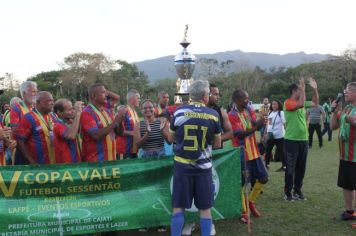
[(185, 42)]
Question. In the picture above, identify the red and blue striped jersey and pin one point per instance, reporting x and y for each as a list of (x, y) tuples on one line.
[(92, 120), (17, 112), (126, 143), (66, 151), (36, 131)]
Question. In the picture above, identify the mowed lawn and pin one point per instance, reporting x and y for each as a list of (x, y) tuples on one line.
[(318, 215)]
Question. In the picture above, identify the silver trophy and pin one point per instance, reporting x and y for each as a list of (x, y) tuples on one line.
[(185, 64)]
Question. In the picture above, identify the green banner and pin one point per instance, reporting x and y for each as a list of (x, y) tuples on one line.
[(109, 196)]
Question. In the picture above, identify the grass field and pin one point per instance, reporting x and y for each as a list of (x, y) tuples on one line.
[(318, 215)]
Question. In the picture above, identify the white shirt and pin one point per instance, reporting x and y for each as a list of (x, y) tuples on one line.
[(278, 129)]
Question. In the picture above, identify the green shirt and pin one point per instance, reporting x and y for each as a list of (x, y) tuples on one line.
[(327, 109), (296, 125)]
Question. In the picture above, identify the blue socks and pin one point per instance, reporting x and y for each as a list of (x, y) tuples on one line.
[(205, 226), (177, 222)]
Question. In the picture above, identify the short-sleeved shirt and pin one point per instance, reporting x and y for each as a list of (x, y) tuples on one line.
[(240, 122), (347, 136), (315, 114), (36, 132), (327, 110), (296, 125), (194, 127), (92, 120), (66, 151), (276, 123), (126, 143), (17, 112)]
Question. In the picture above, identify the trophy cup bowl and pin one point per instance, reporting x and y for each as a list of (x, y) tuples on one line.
[(184, 64)]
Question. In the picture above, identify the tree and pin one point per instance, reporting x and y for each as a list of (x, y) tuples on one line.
[(49, 81), (168, 85), (9, 82), (7, 95), (80, 70), (126, 77)]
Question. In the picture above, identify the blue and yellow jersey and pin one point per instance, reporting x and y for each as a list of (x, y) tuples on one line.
[(194, 127)]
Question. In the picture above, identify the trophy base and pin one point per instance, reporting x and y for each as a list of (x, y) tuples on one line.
[(181, 98)]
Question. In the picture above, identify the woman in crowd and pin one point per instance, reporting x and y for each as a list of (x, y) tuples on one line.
[(151, 132), (275, 133)]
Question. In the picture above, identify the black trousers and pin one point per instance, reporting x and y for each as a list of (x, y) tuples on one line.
[(317, 128), (279, 155), (296, 161), (328, 130)]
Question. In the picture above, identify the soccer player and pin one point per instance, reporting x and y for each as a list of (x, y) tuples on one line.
[(6, 117), (327, 110), (162, 106), (244, 124), (346, 120), (296, 138), (127, 147), (97, 127), (264, 110), (35, 133), (66, 135), (196, 130), (5, 141), (4, 108), (225, 124), (28, 91)]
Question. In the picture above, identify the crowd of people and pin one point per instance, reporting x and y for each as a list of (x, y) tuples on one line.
[(35, 129)]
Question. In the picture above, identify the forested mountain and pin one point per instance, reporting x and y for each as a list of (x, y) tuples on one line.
[(226, 63)]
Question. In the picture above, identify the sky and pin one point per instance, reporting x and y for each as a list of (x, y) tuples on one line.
[(36, 35)]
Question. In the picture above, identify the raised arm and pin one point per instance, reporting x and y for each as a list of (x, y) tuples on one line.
[(314, 86), (73, 131)]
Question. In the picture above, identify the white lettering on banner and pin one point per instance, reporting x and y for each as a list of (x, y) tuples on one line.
[(26, 225), (119, 224), (102, 219), (17, 233)]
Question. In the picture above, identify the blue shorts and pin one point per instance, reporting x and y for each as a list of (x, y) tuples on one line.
[(256, 171), (188, 187)]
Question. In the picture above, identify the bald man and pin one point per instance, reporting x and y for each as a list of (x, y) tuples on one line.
[(35, 133), (99, 127)]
